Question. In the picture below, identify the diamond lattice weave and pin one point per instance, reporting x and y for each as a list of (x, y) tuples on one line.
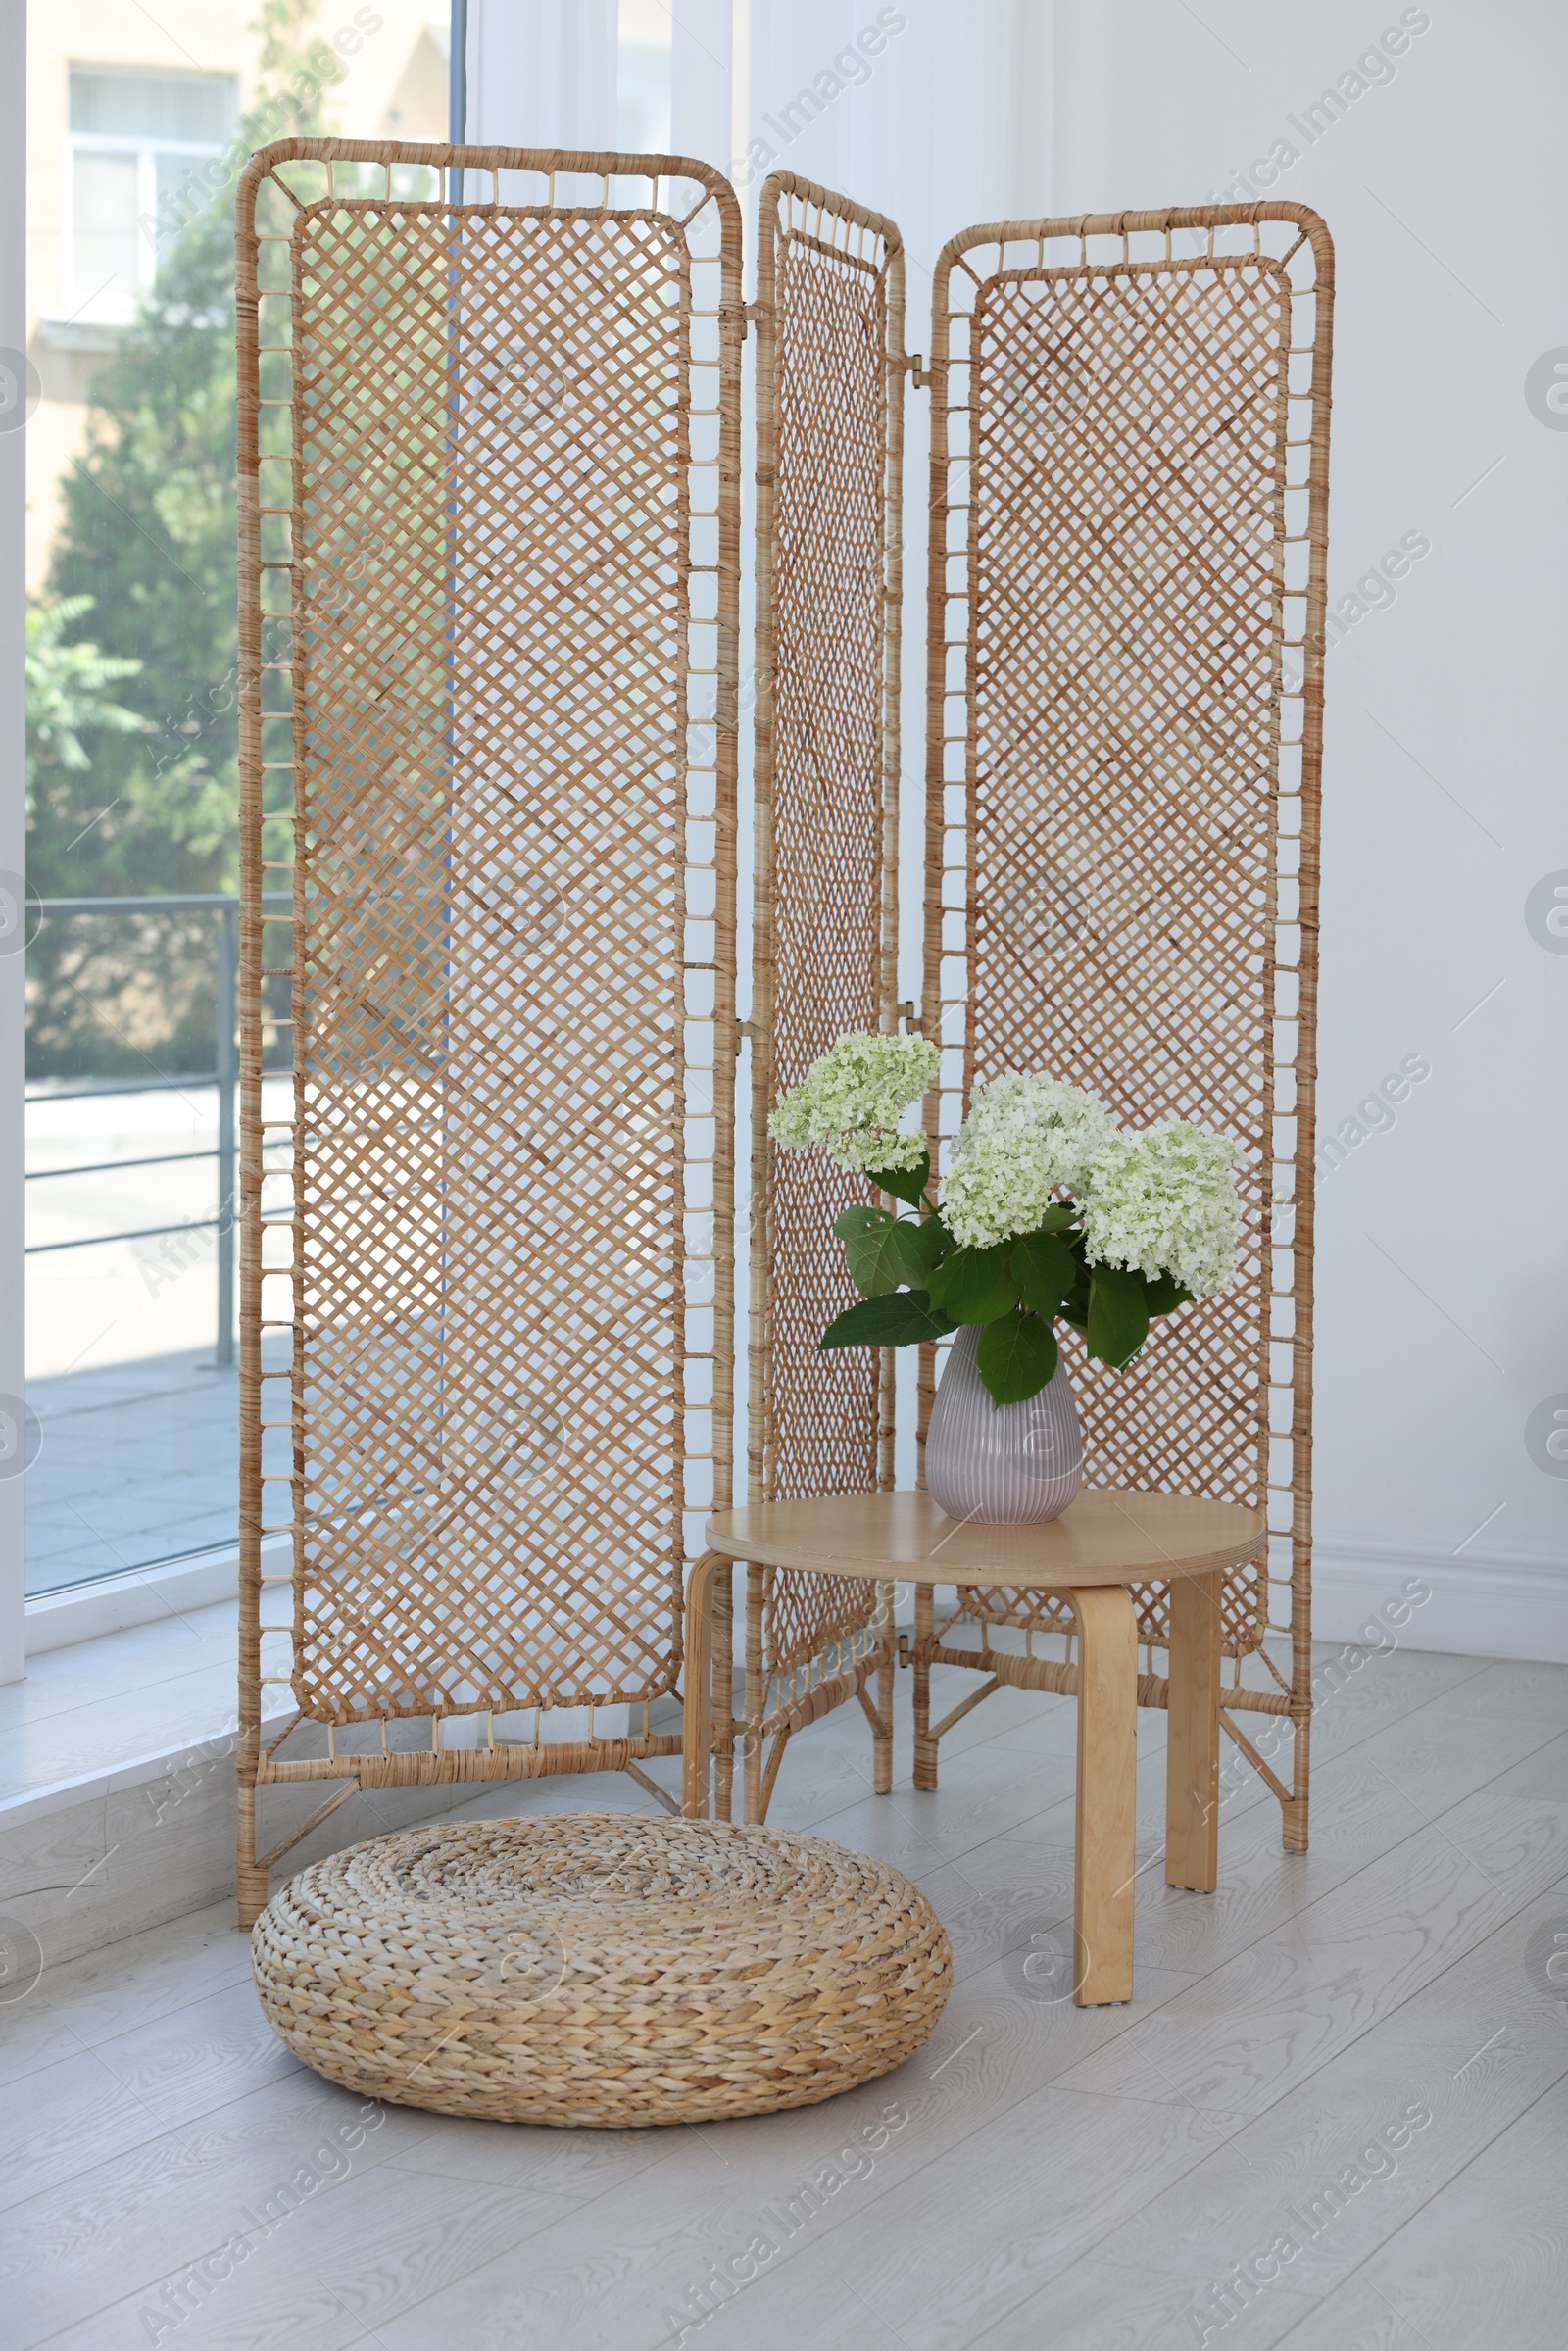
[(510, 959), (1117, 906), (823, 428)]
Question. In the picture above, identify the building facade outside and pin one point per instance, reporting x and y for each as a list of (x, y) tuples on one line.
[(125, 115)]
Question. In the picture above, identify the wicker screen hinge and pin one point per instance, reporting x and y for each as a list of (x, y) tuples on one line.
[(916, 366), (747, 1030), (753, 314)]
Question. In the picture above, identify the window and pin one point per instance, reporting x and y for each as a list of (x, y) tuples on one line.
[(137, 139), (131, 741)]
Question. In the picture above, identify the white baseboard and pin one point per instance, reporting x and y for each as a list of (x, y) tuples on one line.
[(1484, 1607)]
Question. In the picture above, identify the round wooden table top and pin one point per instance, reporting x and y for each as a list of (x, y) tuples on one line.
[(1108, 1536)]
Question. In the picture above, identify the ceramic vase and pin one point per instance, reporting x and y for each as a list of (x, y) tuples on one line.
[(1003, 1465)]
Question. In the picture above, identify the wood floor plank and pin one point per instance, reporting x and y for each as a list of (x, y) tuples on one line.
[(565, 2163), (62, 2117), (123, 1984), (1360, 1810), (1007, 2211), (1267, 2019), (1101, 2305), (1471, 2052), (205, 2307), (1482, 2266), (1360, 1692), (983, 1794), (1541, 1773), (992, 1900), (127, 2222), (1356, 1817), (329, 2273), (1363, 2320), (203, 2056), (1437, 1758), (1513, 1689)]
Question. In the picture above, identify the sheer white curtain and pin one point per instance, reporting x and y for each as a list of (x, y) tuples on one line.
[(542, 72), (937, 113)]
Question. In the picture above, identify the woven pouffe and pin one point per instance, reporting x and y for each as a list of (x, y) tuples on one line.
[(589, 1968)]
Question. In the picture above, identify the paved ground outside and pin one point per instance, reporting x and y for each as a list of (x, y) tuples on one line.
[(137, 1462), (135, 1447)]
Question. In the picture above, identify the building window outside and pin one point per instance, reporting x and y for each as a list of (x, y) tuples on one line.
[(135, 142)]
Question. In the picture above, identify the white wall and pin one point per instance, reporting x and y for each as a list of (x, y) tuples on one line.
[(1440, 1260), (1441, 1252)]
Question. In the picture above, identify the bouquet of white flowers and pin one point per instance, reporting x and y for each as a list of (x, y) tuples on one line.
[(1048, 1207)]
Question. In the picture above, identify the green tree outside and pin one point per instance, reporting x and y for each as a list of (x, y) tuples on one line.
[(142, 597)]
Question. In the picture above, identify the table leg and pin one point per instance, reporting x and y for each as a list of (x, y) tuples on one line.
[(722, 1691), (1191, 1753), (925, 1750), (1107, 1785), (887, 1659), (696, 1711)]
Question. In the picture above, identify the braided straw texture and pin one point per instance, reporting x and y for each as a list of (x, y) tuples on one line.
[(1128, 543), (489, 462), (829, 456), (601, 1969)]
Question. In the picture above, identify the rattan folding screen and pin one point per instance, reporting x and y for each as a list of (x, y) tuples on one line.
[(830, 366), (489, 466), (1129, 479), (489, 453)]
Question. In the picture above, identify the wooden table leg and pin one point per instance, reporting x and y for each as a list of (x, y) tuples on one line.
[(925, 1749), (1191, 1753), (1108, 1789), (696, 1711)]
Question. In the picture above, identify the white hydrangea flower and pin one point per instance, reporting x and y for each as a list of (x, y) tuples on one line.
[(1024, 1140), (850, 1103), (1165, 1201)]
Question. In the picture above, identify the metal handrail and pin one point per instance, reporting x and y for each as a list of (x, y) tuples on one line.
[(226, 1077)]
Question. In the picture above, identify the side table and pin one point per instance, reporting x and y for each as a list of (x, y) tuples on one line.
[(1109, 1542)]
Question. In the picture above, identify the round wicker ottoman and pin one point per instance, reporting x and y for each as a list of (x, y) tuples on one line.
[(607, 1969)]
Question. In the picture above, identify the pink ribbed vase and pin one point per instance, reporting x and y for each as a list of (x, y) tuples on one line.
[(1004, 1465)]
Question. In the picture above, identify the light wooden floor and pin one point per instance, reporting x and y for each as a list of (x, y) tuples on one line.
[(1036, 2177)]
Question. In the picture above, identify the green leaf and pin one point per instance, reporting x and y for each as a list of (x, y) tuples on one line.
[(902, 1318), (860, 1218), (905, 1183), (1119, 1316), (1044, 1270), (1164, 1295), (974, 1285), (1016, 1358), (884, 1256), (1058, 1217)]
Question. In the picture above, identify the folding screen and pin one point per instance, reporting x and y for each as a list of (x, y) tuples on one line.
[(830, 370), (1127, 536), (489, 455)]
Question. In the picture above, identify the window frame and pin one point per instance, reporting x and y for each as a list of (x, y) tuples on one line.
[(83, 302)]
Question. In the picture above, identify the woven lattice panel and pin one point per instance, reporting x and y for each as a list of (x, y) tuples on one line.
[(1128, 529), (829, 451), (496, 567)]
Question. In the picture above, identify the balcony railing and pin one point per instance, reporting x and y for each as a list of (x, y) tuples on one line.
[(224, 1076)]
